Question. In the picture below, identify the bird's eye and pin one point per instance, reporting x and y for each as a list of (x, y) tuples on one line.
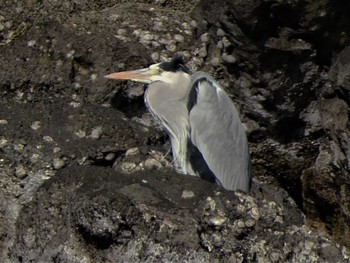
[(158, 71)]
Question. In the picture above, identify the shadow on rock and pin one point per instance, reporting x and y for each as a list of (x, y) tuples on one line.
[(89, 213)]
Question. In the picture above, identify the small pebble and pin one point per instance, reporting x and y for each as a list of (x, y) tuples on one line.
[(96, 133), (240, 223), (193, 23), (113, 17), (210, 204), (58, 163), (158, 26), (164, 56), (34, 158), (56, 149), (18, 147), (3, 142), (75, 104), (244, 82), (186, 194), (171, 47), (31, 43), (163, 41), (215, 62), (137, 32), (241, 208), (93, 76), (121, 32), (186, 54), (80, 133), (3, 121), (279, 219), (220, 32), (219, 45), (226, 43), (47, 138), (132, 151), (217, 239), (250, 223), (77, 85), (81, 161), (135, 92), (75, 97), (155, 56), (218, 220), (309, 245), (121, 38), (110, 157), (202, 53), (195, 63), (20, 172), (205, 37), (70, 54), (178, 38), (35, 125), (147, 37), (151, 163), (127, 166), (228, 58), (186, 26), (59, 62), (255, 213)]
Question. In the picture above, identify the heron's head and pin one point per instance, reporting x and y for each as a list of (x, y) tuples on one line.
[(168, 72)]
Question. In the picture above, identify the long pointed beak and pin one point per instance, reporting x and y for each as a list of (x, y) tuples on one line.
[(140, 75)]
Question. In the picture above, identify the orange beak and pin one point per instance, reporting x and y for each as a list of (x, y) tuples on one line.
[(140, 75)]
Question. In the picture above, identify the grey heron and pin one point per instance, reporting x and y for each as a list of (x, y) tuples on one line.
[(205, 130)]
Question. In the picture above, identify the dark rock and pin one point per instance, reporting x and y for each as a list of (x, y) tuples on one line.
[(93, 213), (340, 70)]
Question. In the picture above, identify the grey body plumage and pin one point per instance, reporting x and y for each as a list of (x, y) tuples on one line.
[(206, 133)]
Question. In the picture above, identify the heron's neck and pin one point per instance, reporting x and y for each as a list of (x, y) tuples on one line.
[(168, 104)]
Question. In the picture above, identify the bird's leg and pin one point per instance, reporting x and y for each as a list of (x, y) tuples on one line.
[(176, 164), (173, 162), (165, 155)]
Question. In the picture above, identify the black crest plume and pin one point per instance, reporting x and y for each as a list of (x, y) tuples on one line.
[(175, 64)]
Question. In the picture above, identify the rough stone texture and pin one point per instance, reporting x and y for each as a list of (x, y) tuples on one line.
[(84, 171), (92, 214)]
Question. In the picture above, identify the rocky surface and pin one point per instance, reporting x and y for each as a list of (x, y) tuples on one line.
[(84, 172), (93, 214)]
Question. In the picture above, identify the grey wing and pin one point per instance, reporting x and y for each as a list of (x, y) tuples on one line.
[(217, 132)]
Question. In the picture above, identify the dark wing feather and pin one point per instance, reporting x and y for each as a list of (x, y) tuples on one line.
[(218, 134)]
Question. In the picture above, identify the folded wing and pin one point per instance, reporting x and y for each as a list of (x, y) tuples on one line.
[(217, 135)]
